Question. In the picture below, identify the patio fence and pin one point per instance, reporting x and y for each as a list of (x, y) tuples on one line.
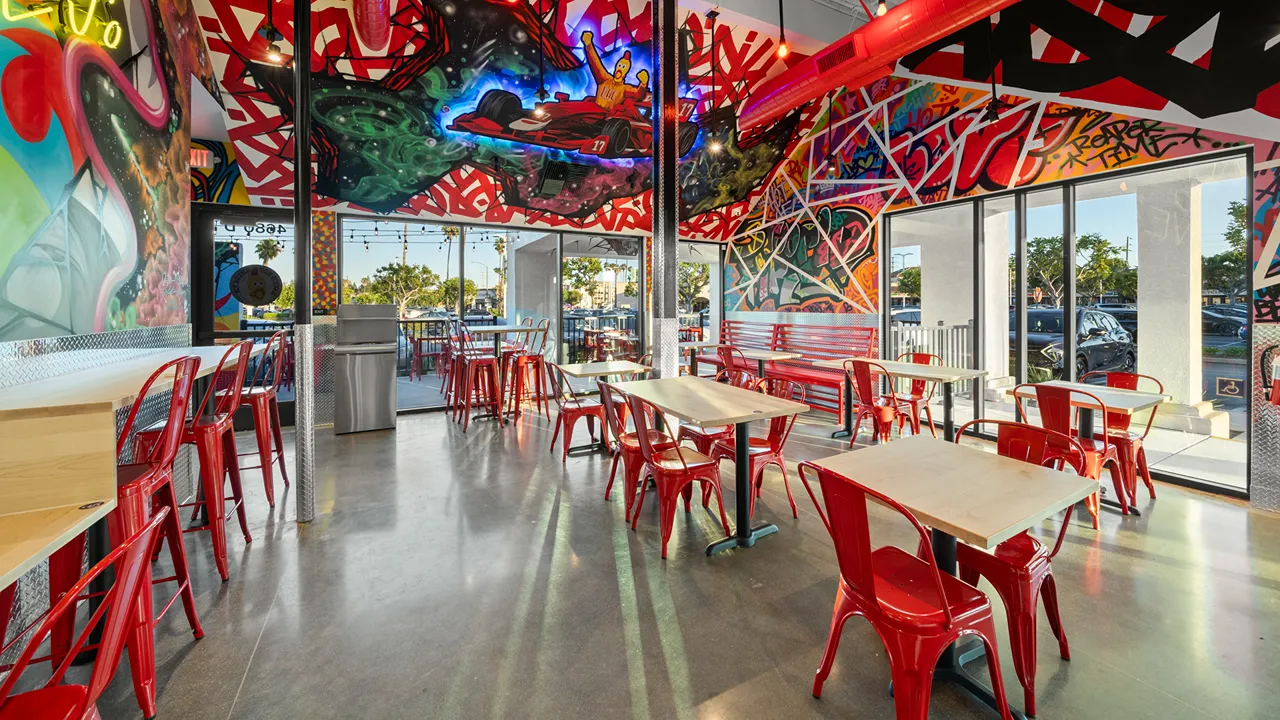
[(952, 343)]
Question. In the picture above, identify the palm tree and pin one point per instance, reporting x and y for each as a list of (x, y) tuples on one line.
[(268, 249)]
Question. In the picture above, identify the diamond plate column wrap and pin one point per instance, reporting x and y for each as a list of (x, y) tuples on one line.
[(304, 342), (666, 200), (1264, 430)]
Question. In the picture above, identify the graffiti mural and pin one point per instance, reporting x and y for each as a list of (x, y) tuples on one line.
[(96, 175), (221, 183), (324, 263), (810, 243), (446, 119)]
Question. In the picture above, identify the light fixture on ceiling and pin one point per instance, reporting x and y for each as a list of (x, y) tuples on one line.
[(542, 94), (783, 49), (833, 168), (273, 37), (714, 145), (273, 53), (992, 112), (882, 8)]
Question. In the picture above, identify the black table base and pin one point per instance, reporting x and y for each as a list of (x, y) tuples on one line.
[(848, 411), (744, 535)]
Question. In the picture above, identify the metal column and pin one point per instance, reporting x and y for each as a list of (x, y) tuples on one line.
[(666, 208), (304, 355)]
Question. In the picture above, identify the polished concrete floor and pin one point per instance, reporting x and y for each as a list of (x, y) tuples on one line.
[(475, 576)]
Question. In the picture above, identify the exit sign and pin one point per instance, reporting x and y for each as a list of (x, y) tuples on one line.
[(201, 158)]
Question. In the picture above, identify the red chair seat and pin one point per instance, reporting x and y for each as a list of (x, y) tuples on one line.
[(670, 459), (905, 586), (60, 702), (142, 475), (631, 441)]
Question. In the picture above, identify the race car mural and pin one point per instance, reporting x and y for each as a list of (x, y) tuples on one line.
[(616, 122)]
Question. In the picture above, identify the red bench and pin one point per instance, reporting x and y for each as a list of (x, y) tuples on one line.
[(824, 386)]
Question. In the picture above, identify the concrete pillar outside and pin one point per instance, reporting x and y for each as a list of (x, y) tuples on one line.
[(946, 279), (1169, 291)]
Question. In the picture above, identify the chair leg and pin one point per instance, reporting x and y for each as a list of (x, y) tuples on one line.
[(724, 519), (928, 413), (987, 631), (1020, 610), (856, 427), (237, 494), (632, 467), (556, 434), (635, 512), (613, 471), (841, 612), (666, 517), (262, 432), (569, 422), (1145, 471), (64, 572), (1117, 482), (211, 479), (1049, 591), (278, 433), (166, 497), (128, 517)]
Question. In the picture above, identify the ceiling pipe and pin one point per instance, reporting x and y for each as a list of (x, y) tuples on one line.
[(864, 55), (373, 22)]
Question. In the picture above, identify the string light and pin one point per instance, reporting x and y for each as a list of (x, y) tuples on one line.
[(882, 8), (783, 50), (714, 145)]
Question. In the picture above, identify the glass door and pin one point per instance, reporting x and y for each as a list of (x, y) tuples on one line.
[(602, 286)]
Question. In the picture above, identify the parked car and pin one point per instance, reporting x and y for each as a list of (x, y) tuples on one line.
[(1128, 319), (1101, 342), (1222, 319), (906, 315), (1114, 306)]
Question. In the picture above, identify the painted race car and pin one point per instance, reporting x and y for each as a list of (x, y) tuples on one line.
[(626, 131)]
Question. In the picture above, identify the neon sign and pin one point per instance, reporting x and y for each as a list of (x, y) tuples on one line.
[(86, 18)]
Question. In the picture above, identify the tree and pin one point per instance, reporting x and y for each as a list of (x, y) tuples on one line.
[(1125, 284), (572, 297), (580, 274), (1044, 267), (286, 296), (1098, 265), (450, 293), (909, 282), (268, 249), (403, 285), (691, 280), (1226, 272)]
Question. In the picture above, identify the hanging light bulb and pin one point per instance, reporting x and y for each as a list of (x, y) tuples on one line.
[(783, 50), (714, 146), (273, 53), (833, 170), (882, 8)]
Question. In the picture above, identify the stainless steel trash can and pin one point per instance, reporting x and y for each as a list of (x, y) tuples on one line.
[(366, 368)]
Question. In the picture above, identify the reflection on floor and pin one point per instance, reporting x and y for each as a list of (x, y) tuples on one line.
[(475, 576), (1198, 457)]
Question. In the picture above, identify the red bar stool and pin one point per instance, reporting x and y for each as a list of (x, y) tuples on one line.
[(1020, 569), (55, 701), (571, 408), (674, 471), (765, 451), (921, 390), (529, 377), (1133, 456), (481, 382), (215, 441), (626, 445), (884, 410), (265, 405), (916, 609), (1056, 414)]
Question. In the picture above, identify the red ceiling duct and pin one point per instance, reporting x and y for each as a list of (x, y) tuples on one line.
[(864, 55), (373, 22)]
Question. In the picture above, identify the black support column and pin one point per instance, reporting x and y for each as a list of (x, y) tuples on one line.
[(304, 369), (666, 199)]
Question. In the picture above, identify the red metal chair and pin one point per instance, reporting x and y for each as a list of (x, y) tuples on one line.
[(1020, 568), (765, 451), (883, 410), (921, 391), (264, 403), (674, 471), (53, 700), (731, 358), (480, 382), (1133, 456), (215, 441), (1057, 414), (916, 609), (703, 438), (571, 408), (626, 445), (529, 371)]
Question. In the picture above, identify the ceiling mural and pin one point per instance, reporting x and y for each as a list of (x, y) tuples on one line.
[(445, 121)]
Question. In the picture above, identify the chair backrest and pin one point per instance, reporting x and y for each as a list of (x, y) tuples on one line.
[(846, 520), (731, 358), (539, 341), (273, 358), (129, 560), (780, 427), (612, 399), (921, 358), (162, 452), (1056, 411), (228, 376), (1125, 381), (859, 372), (561, 390), (647, 361), (739, 379), (641, 412)]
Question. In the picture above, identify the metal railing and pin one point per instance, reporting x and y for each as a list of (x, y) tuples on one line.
[(952, 343), (580, 339)]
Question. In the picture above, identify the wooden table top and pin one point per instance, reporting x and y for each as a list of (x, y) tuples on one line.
[(503, 329), (914, 371), (602, 369), (707, 403), (27, 538), (116, 383), (698, 344), (1117, 400), (752, 354), (977, 496)]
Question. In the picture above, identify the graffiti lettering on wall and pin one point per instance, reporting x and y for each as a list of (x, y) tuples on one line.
[(1214, 64), (446, 120), (95, 201), (937, 147)]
